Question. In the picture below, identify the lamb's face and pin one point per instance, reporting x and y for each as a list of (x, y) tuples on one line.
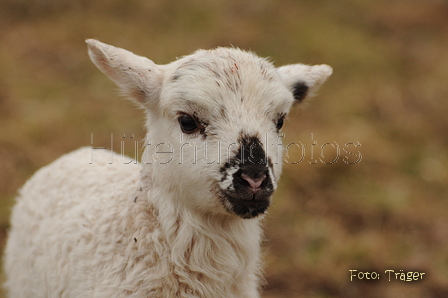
[(219, 114), (232, 103)]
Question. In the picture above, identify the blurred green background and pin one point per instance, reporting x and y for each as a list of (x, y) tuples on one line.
[(389, 92)]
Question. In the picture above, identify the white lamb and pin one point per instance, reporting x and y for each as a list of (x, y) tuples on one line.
[(186, 221)]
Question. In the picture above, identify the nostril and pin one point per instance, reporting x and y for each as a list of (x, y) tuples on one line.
[(254, 183)]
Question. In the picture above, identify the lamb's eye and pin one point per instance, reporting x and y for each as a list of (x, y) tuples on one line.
[(187, 124), (279, 123)]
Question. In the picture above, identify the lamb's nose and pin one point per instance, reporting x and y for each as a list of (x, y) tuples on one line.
[(254, 183)]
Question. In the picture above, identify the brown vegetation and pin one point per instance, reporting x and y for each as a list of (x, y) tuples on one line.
[(388, 92)]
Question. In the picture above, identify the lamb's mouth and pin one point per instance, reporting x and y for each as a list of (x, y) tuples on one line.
[(249, 207)]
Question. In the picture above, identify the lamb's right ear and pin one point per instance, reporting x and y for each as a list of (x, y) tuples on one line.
[(137, 76), (304, 80)]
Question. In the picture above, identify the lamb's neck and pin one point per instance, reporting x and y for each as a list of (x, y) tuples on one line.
[(178, 220), (221, 235), (209, 248), (219, 252)]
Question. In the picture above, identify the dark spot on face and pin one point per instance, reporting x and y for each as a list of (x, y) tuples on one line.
[(135, 199), (247, 200), (299, 91), (135, 240), (251, 150)]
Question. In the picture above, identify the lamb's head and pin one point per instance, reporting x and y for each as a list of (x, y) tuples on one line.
[(214, 121)]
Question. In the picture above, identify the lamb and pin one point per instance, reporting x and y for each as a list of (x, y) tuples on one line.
[(186, 220)]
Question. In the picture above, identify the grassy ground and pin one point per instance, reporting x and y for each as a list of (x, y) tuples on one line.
[(388, 93)]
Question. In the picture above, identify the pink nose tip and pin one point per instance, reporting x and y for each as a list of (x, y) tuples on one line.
[(254, 183)]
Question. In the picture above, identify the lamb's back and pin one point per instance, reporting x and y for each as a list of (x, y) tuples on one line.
[(69, 209)]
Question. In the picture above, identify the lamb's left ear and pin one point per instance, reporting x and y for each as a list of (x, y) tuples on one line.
[(304, 80), (137, 76)]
